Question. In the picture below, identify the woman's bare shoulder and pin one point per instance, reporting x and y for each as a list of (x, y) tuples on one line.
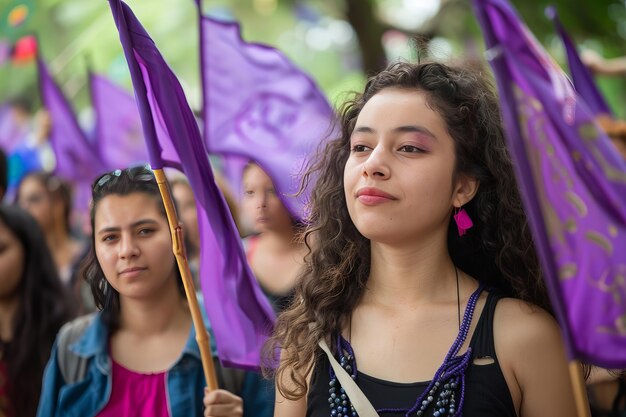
[(520, 325), (531, 353)]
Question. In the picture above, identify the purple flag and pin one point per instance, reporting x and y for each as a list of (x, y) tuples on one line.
[(11, 133), (260, 106), (573, 183), (118, 125), (76, 159), (581, 76), (239, 313)]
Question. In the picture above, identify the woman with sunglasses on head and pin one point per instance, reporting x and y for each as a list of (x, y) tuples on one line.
[(138, 355), (420, 240), (34, 304)]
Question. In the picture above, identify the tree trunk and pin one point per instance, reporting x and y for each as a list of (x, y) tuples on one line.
[(369, 32)]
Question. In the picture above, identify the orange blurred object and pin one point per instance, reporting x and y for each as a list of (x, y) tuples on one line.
[(18, 15)]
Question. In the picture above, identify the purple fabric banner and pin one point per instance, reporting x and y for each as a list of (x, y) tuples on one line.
[(581, 76), (118, 126), (239, 313), (573, 183), (76, 160), (260, 106)]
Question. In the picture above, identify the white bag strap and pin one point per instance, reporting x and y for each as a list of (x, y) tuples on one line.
[(359, 401)]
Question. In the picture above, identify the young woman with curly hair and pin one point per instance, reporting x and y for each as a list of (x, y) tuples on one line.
[(422, 276)]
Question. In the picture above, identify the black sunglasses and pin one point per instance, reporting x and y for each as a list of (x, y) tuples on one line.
[(139, 172)]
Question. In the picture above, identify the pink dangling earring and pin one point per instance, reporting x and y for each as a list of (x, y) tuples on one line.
[(463, 221)]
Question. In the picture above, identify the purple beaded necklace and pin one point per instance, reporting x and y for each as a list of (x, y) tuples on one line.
[(439, 398)]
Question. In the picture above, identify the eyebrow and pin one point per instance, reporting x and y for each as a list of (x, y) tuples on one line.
[(132, 226), (363, 129), (399, 129)]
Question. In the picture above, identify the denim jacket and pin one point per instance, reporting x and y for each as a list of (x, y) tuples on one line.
[(184, 380)]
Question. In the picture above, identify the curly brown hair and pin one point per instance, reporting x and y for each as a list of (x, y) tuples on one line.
[(498, 250)]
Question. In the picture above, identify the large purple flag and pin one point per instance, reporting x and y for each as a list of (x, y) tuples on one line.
[(119, 136), (581, 76), (76, 159), (240, 315), (260, 106), (573, 183)]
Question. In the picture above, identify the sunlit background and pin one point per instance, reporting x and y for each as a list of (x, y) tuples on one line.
[(338, 42)]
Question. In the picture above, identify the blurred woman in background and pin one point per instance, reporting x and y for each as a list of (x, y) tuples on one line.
[(34, 304), (49, 200), (276, 252)]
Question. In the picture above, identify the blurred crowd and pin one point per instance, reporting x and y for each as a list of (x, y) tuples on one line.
[(46, 239)]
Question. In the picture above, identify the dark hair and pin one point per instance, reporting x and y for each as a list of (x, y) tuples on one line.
[(498, 250), (4, 174), (119, 182), (22, 103), (57, 188), (44, 306)]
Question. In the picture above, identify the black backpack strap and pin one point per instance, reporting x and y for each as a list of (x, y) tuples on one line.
[(73, 367)]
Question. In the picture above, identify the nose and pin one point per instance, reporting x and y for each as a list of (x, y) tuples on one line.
[(376, 164), (128, 247), (261, 200)]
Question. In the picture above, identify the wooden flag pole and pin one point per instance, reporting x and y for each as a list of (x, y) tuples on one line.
[(580, 389), (202, 336)]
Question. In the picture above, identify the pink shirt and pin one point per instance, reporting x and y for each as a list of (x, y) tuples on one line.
[(136, 395)]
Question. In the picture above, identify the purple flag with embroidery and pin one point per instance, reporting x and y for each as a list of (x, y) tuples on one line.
[(118, 126), (260, 106), (573, 183), (76, 159), (581, 76), (240, 315)]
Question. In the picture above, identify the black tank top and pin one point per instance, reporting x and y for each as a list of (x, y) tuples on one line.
[(486, 391)]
